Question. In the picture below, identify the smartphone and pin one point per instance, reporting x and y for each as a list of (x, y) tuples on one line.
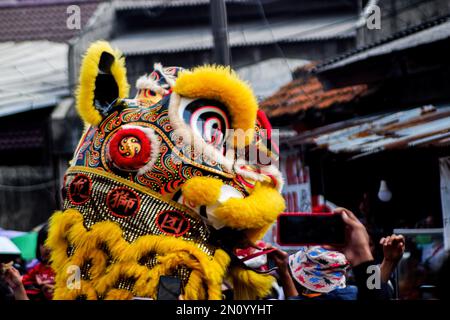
[(169, 288), (299, 229)]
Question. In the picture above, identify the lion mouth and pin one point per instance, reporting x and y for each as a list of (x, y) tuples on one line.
[(243, 252)]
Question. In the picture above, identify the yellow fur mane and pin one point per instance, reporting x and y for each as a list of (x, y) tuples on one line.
[(88, 74), (222, 84)]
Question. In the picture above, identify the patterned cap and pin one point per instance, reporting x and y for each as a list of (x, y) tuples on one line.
[(318, 269)]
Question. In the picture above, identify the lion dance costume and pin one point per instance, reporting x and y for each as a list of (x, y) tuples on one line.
[(152, 189)]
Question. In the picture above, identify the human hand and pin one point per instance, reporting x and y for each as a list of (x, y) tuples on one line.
[(14, 281), (393, 248), (5, 266), (280, 258), (12, 278), (356, 248), (39, 281), (48, 288), (42, 281)]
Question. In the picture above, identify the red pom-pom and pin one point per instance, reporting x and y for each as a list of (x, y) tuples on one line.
[(130, 149)]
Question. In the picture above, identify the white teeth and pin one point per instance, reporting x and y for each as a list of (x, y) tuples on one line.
[(211, 219), (226, 192), (256, 262)]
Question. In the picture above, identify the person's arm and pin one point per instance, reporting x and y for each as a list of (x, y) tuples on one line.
[(280, 259), (393, 249), (357, 251), (288, 284), (12, 278)]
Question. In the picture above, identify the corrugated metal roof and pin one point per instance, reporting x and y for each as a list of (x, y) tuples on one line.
[(427, 125), (245, 34), (43, 20), (32, 75), (425, 33)]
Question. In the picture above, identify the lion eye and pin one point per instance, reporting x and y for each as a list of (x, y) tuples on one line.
[(208, 119)]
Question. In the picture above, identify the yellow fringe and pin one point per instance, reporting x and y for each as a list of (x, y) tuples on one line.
[(119, 294), (249, 285), (200, 191), (88, 75), (86, 290), (222, 84), (67, 228)]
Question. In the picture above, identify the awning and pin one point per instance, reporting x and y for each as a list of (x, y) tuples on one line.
[(8, 250), (33, 75), (18, 243), (166, 40), (424, 126)]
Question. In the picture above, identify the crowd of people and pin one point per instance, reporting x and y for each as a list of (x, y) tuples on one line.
[(348, 272), (37, 282)]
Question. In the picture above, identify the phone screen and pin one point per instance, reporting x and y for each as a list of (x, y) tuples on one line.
[(169, 288), (309, 229)]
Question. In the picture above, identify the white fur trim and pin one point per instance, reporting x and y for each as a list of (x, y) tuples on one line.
[(276, 173), (145, 82), (184, 131), (256, 262), (265, 170), (245, 173), (155, 145), (170, 80)]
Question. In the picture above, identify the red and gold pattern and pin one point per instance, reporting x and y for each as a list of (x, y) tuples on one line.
[(129, 149), (151, 183)]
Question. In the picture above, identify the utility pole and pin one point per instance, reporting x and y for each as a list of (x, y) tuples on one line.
[(218, 13)]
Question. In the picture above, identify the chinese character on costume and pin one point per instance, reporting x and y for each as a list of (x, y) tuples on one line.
[(162, 184)]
